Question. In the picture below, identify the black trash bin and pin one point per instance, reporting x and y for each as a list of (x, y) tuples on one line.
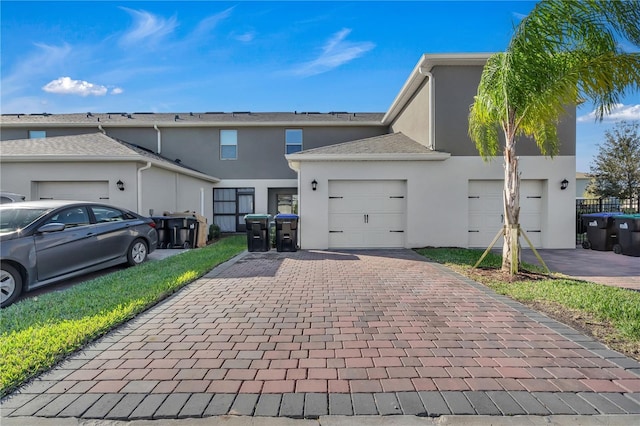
[(601, 235), (162, 230), (287, 232), (627, 227), (257, 232), (178, 229)]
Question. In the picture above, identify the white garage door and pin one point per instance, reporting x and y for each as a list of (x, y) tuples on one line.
[(366, 214), (97, 191), (486, 215)]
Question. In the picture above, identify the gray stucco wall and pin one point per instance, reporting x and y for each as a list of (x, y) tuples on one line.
[(413, 120), (261, 150), (455, 87)]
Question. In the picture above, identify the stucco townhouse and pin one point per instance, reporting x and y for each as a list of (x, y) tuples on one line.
[(407, 177)]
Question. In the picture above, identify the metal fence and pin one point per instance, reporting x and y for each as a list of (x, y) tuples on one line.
[(601, 205)]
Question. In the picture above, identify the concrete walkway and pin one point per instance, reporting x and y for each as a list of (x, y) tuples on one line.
[(311, 334)]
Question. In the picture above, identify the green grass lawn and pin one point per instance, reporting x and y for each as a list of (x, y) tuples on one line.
[(616, 307), (37, 333)]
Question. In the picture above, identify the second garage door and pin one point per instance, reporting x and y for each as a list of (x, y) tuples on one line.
[(367, 214), (486, 215)]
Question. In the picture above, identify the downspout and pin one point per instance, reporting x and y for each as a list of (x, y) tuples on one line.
[(104, 132), (155, 126), (140, 170), (432, 112)]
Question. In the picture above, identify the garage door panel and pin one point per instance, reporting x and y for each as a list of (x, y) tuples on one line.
[(97, 191), (366, 214), (486, 211)]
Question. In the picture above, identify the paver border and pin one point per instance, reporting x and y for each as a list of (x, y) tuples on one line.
[(27, 401)]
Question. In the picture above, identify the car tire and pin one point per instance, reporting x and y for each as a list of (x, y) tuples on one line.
[(137, 252), (617, 249), (10, 285), (586, 245)]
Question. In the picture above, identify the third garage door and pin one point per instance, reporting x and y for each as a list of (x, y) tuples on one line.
[(367, 213), (486, 215)]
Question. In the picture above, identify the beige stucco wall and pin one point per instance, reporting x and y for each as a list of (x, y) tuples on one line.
[(437, 197)]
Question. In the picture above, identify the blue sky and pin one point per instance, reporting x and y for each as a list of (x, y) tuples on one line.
[(170, 56)]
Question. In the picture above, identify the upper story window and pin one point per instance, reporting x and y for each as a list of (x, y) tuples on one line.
[(228, 144), (293, 140), (37, 134)]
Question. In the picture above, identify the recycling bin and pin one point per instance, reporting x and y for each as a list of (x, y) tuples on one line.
[(286, 232), (257, 232), (162, 230), (601, 235), (627, 227)]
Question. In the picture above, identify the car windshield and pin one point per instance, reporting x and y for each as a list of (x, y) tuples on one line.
[(13, 219)]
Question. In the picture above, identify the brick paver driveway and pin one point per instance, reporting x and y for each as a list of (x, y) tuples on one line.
[(312, 333)]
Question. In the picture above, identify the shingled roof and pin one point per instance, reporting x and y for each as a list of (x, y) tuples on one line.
[(87, 147), (192, 119)]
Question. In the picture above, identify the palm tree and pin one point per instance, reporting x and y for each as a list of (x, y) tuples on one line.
[(562, 53)]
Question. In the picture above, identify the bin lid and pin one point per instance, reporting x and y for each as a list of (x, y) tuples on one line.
[(628, 216), (286, 216), (257, 216), (603, 214)]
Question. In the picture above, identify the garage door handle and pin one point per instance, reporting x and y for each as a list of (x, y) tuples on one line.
[(396, 231), (336, 232)]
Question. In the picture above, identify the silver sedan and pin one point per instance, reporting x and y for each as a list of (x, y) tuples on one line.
[(42, 242)]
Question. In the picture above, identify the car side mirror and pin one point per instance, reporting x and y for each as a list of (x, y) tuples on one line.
[(51, 227)]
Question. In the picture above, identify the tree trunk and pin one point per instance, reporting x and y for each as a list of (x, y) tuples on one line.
[(511, 248)]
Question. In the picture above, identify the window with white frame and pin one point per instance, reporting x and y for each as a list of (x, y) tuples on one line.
[(37, 134), (293, 140), (228, 144)]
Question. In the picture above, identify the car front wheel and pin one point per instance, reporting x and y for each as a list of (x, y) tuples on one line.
[(137, 252), (10, 285)]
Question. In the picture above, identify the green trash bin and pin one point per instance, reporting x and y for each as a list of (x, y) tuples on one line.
[(257, 232), (628, 228)]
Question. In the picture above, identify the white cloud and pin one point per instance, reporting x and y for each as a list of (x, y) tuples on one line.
[(336, 51), (147, 27), (116, 91), (210, 22), (618, 113), (246, 37), (34, 65), (67, 86)]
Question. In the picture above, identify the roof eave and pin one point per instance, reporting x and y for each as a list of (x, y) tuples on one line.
[(197, 125), (95, 159), (427, 62), (435, 156)]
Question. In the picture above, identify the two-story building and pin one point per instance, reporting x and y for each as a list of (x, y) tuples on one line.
[(409, 177)]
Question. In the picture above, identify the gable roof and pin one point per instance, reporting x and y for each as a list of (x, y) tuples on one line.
[(90, 147), (393, 146)]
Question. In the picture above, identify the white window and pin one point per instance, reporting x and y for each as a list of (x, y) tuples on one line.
[(293, 140), (37, 134), (228, 144)]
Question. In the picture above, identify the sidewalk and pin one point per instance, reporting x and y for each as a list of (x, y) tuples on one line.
[(602, 267), (319, 335)]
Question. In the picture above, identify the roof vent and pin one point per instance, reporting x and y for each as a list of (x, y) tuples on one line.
[(176, 118), (190, 114), (89, 115), (177, 161), (129, 116)]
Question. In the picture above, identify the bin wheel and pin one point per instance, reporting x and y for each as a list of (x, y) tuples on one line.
[(617, 249), (586, 245), (186, 245)]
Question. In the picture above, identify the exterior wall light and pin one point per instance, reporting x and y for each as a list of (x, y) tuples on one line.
[(564, 184), (314, 184), (120, 185)]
